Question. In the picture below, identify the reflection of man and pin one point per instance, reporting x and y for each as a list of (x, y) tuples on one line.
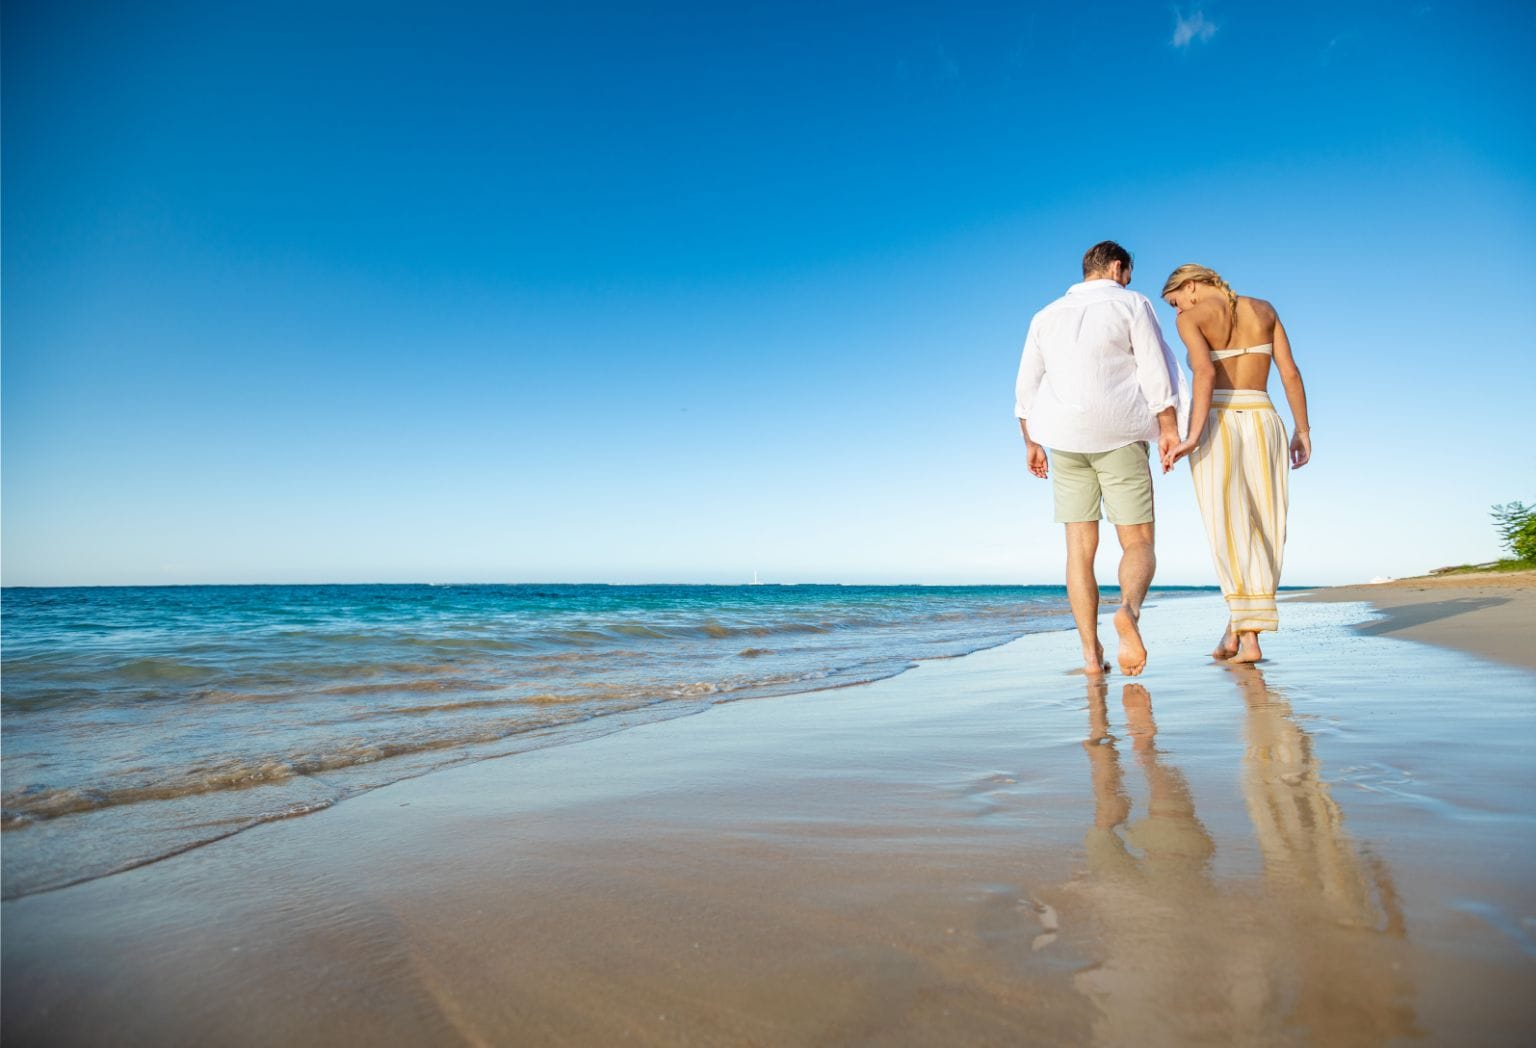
[(1160, 978), (1096, 383), (1172, 840)]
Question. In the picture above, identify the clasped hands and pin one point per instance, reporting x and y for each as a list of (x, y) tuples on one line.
[(1170, 449)]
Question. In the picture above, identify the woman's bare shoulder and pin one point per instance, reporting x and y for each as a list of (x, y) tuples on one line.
[(1209, 307), (1262, 308)]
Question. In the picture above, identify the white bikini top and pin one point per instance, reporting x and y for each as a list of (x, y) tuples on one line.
[(1267, 349)]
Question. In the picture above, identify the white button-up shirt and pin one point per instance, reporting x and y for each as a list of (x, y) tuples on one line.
[(1096, 371)]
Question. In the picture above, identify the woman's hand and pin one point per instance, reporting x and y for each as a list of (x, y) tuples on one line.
[(1301, 448), (1178, 451)]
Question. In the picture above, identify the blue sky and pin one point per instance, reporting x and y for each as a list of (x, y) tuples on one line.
[(436, 292)]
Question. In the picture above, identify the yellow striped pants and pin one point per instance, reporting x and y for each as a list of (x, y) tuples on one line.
[(1242, 482)]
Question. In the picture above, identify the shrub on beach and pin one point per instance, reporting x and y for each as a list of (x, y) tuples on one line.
[(1516, 524)]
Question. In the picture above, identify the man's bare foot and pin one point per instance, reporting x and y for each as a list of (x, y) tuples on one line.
[(1133, 653), (1093, 661), (1228, 646), (1247, 649)]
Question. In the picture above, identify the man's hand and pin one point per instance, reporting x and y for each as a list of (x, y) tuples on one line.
[(1178, 451), (1167, 444), (1167, 437), (1039, 465)]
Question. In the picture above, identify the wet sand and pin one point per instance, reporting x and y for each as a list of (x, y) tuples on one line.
[(1336, 847), (1491, 614)]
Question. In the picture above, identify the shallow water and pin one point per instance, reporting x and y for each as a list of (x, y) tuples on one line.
[(141, 721)]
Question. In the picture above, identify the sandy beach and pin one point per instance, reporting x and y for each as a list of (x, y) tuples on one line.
[(1336, 847), (1489, 613)]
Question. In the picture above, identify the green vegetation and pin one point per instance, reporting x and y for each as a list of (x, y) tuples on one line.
[(1493, 565), (1516, 524)]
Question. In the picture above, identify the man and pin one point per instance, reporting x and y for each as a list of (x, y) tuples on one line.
[(1096, 384)]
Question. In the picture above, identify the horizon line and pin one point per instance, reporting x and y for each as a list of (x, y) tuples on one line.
[(718, 585)]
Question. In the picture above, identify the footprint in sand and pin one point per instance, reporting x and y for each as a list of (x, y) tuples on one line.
[(1045, 913)]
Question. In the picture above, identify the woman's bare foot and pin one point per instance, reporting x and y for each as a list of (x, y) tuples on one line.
[(1133, 653), (1228, 646), (1247, 649)]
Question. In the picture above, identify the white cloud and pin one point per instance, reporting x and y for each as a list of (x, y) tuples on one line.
[(1191, 29)]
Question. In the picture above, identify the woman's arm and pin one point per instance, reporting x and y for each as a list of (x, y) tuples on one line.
[(1203, 373), (1295, 395)]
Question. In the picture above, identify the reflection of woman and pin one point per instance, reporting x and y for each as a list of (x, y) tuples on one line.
[(1237, 444), (1184, 954), (1339, 903), (1298, 823)]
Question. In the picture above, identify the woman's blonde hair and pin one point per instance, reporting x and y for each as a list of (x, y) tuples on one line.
[(1202, 275)]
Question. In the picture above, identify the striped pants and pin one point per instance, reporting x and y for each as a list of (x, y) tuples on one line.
[(1242, 482)]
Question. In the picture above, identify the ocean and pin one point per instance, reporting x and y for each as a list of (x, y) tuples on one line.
[(141, 722)]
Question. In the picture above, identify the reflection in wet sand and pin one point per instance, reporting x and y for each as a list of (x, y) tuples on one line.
[(1299, 825), (1311, 952)]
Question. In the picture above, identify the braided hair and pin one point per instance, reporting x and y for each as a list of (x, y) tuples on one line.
[(1203, 275)]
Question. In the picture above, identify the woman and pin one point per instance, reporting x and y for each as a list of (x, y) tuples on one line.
[(1237, 446)]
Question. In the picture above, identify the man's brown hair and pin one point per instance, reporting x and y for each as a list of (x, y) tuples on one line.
[(1100, 255)]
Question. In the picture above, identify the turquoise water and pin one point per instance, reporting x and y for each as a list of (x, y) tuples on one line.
[(141, 721)]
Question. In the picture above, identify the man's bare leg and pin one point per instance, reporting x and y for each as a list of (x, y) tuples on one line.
[(1138, 562), (1247, 648), (1083, 591)]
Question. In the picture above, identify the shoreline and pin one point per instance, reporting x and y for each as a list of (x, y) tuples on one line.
[(1492, 614), (982, 849), (52, 852)]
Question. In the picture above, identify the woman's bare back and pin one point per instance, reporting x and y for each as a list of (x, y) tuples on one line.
[(1255, 326), (1211, 327)]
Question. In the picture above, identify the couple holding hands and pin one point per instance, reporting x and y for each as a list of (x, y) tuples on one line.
[(1098, 384)]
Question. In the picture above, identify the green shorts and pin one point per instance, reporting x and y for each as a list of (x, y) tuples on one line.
[(1120, 480)]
